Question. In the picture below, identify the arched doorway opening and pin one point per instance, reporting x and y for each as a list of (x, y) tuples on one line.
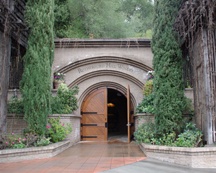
[(106, 112), (117, 113)]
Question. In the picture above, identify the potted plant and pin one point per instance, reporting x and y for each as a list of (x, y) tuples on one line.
[(58, 78)]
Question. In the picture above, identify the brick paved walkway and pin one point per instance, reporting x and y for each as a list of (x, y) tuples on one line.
[(83, 157)]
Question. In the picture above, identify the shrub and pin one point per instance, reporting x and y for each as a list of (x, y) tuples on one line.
[(144, 133), (15, 105), (147, 105), (191, 137), (57, 131), (14, 141), (148, 88), (31, 138), (65, 102), (43, 142), (166, 139), (189, 109), (17, 141)]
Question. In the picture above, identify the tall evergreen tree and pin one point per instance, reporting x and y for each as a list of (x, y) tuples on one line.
[(36, 79), (167, 62)]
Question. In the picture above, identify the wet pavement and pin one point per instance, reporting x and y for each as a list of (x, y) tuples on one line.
[(114, 156), (83, 157), (156, 166)]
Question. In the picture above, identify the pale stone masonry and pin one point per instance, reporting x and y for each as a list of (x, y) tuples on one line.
[(15, 155), (16, 124), (200, 157)]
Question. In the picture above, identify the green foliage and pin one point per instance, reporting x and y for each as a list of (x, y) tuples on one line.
[(19, 145), (191, 137), (166, 139), (144, 133), (58, 131), (189, 109), (148, 88), (167, 62), (31, 137), (36, 79), (15, 141), (18, 141), (140, 15), (43, 142), (65, 102), (58, 76), (103, 19), (147, 105), (15, 105)]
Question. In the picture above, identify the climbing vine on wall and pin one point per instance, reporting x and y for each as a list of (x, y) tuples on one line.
[(168, 84), (36, 79)]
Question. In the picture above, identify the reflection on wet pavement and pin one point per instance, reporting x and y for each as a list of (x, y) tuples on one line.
[(82, 157)]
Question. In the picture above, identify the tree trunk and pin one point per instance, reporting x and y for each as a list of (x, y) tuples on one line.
[(5, 52)]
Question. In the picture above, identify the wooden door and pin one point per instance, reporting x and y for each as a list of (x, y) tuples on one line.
[(130, 119), (94, 116)]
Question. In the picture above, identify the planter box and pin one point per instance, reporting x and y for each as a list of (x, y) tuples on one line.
[(200, 157), (16, 124), (15, 155)]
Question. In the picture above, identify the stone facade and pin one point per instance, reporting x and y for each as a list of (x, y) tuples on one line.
[(94, 63)]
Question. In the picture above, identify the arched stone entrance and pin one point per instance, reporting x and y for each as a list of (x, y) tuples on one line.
[(110, 63)]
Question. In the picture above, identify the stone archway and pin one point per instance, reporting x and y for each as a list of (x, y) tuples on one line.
[(106, 84)]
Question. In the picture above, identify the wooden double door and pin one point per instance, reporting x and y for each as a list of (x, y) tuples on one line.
[(94, 122)]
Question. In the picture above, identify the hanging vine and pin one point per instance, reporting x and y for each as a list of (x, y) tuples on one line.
[(194, 18)]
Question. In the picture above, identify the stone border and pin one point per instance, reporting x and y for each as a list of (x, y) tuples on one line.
[(15, 155), (200, 157), (49, 116)]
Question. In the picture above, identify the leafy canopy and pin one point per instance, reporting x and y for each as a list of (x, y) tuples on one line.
[(103, 19)]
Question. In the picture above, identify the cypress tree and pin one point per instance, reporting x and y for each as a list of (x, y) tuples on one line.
[(36, 79), (169, 98)]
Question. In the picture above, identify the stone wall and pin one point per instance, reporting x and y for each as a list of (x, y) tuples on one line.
[(16, 124), (17, 92), (17, 155), (142, 118), (201, 157)]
